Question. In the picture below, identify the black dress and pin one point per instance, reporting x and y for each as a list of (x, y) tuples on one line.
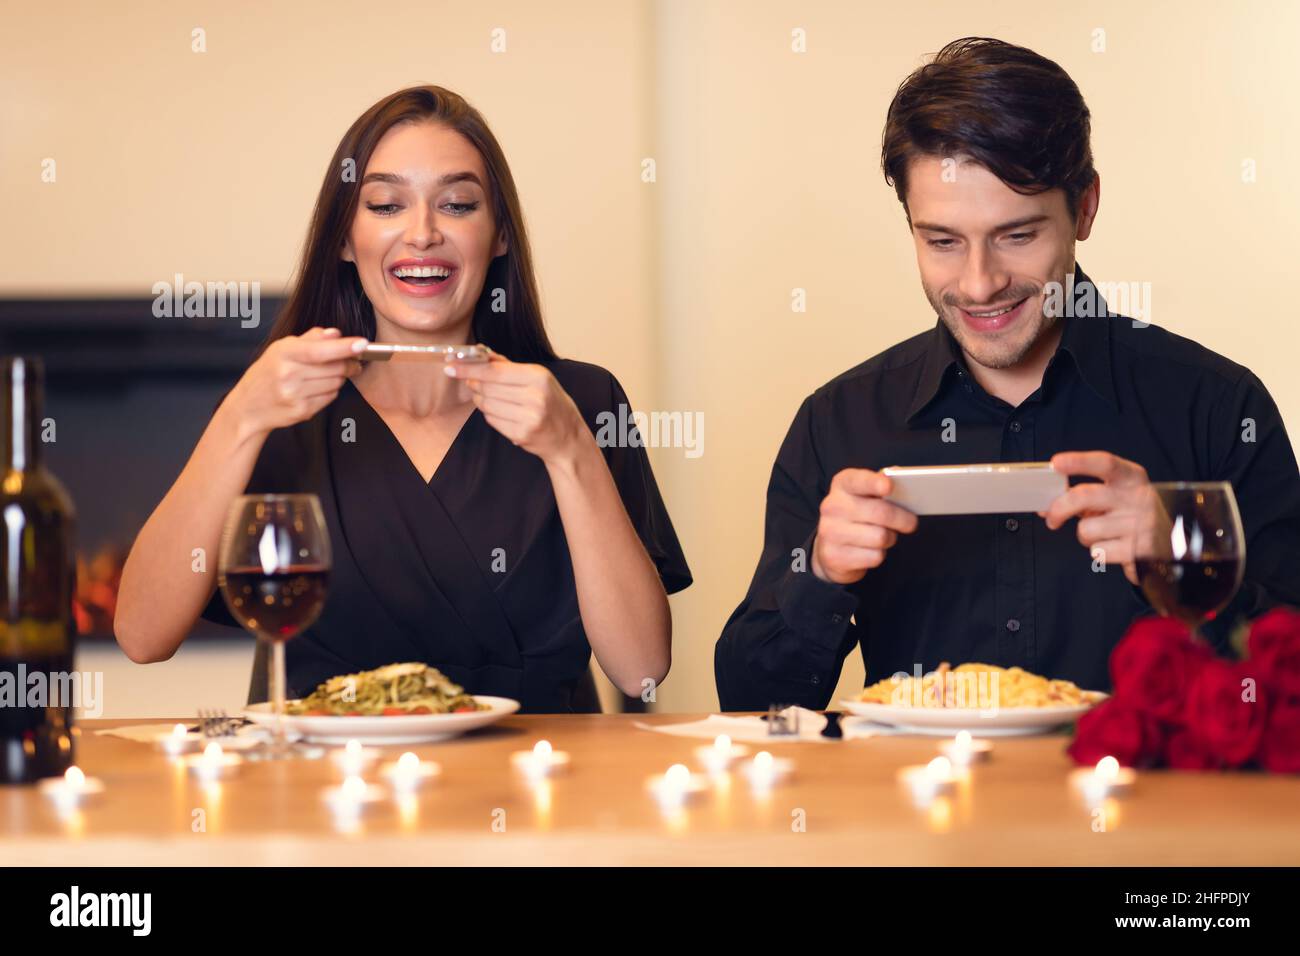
[(469, 573)]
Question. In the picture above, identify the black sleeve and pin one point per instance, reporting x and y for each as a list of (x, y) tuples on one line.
[(1254, 453), (630, 467), (787, 641)]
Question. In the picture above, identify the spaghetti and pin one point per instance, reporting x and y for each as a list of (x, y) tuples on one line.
[(978, 685)]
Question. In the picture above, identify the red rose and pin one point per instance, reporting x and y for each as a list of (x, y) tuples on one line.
[(1114, 728), (1274, 643), (1183, 751), (1225, 714), (1280, 750), (1153, 664)]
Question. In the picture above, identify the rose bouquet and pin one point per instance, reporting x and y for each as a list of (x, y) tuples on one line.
[(1175, 703)]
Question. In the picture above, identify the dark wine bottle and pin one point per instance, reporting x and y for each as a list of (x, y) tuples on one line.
[(37, 587)]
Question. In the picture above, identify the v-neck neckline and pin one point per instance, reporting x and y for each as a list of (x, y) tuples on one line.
[(414, 470)]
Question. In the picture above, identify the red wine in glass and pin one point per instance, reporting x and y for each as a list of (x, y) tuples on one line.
[(1191, 591), (1190, 552), (278, 605)]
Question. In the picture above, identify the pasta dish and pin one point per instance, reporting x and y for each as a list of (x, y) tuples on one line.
[(978, 685), (392, 690)]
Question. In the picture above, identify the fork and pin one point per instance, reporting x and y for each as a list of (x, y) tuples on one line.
[(215, 722)]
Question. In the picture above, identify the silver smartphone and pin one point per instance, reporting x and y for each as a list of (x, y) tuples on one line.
[(387, 352), (1005, 488)]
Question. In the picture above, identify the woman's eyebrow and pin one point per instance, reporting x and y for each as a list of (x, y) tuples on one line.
[(461, 177), (445, 180)]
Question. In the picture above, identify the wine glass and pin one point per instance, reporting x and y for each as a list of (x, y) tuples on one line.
[(273, 571), (1190, 552)]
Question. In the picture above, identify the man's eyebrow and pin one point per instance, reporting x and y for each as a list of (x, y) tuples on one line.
[(1002, 227), (444, 180)]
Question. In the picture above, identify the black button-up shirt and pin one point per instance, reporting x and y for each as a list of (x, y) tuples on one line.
[(1002, 589)]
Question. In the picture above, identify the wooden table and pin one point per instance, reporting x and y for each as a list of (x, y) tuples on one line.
[(1017, 809)]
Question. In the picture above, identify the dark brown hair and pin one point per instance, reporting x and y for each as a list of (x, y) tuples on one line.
[(328, 290), (1015, 113)]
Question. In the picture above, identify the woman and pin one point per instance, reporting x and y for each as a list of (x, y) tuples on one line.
[(476, 524)]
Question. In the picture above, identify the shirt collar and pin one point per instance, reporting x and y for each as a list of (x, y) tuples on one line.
[(1085, 340)]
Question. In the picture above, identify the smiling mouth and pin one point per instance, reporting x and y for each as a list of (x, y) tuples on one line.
[(422, 275), (993, 321), (995, 312)]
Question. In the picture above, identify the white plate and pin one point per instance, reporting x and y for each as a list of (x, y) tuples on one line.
[(409, 729), (946, 721)]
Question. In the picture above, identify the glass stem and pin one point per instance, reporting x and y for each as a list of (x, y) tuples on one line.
[(277, 694)]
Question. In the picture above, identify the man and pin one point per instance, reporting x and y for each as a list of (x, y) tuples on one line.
[(988, 150)]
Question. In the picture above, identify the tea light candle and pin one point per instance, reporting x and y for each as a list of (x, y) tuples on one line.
[(964, 750), (1107, 779), (351, 795), (213, 763), (354, 759), (177, 741), (71, 789), (542, 761), (765, 770), (934, 779), (676, 785), (719, 757), (408, 772)]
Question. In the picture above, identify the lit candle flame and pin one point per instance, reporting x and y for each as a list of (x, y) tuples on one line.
[(722, 744), (542, 751), (408, 763), (354, 788), (1107, 769), (74, 778), (677, 777), (940, 768)]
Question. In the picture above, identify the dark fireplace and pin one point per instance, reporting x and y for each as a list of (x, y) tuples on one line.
[(130, 393)]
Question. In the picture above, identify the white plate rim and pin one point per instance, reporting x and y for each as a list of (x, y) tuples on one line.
[(1006, 721)]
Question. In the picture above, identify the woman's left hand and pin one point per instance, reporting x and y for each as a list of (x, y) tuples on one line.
[(526, 404)]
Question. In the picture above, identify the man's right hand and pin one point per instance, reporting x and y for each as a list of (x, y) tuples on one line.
[(857, 526)]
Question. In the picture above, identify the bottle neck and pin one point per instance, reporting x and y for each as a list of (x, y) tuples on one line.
[(20, 406)]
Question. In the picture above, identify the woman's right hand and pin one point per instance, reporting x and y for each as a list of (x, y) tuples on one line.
[(294, 378)]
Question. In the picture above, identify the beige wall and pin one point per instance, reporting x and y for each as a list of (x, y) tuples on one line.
[(208, 164), (767, 180)]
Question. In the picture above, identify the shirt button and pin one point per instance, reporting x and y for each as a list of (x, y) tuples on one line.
[(1013, 625), (1015, 426), (836, 618), (1012, 524), (815, 679)]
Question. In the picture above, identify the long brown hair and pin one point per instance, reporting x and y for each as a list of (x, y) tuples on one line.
[(328, 290)]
